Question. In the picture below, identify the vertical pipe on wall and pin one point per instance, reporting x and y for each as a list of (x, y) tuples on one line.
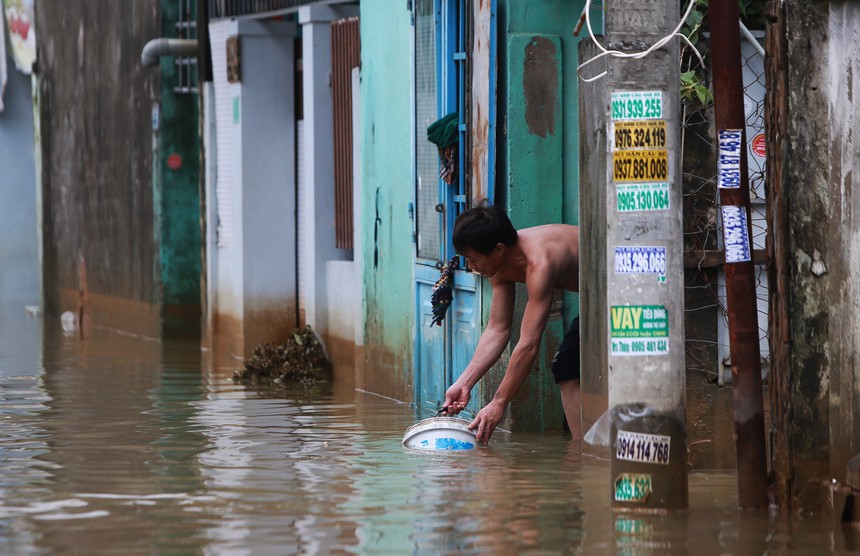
[(779, 329), (733, 184)]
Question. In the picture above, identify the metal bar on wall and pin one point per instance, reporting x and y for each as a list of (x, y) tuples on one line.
[(346, 55), (229, 8)]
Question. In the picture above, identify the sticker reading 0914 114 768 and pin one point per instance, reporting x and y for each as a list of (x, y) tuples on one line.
[(642, 447)]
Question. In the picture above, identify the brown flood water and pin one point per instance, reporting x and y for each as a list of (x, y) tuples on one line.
[(122, 445)]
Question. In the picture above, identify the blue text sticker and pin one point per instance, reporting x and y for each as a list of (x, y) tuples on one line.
[(735, 234), (452, 444), (641, 260), (729, 159)]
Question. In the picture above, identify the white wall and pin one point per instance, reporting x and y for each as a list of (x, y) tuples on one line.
[(251, 261), (19, 263)]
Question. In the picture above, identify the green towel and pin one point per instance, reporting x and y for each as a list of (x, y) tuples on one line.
[(443, 132)]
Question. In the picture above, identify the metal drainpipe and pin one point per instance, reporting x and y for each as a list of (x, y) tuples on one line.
[(156, 48)]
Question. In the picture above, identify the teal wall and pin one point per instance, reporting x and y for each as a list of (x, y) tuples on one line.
[(177, 196), (555, 19), (538, 167), (387, 181), (386, 178)]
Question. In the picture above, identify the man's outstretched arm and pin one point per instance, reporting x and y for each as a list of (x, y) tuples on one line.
[(540, 287), (490, 347)]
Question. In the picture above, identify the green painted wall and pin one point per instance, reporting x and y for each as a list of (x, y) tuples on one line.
[(386, 178), (556, 18), (538, 165), (177, 196)]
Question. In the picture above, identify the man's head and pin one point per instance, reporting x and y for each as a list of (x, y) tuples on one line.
[(482, 228), (482, 235)]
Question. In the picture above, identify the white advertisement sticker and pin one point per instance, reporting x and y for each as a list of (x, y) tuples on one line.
[(735, 234), (729, 159), (645, 448), (640, 260)]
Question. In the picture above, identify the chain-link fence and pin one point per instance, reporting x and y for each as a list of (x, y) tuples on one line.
[(707, 342)]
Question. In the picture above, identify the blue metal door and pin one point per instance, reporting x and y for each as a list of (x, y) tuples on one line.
[(445, 35)]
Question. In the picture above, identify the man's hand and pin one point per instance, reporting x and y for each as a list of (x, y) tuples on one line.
[(456, 399), (486, 421)]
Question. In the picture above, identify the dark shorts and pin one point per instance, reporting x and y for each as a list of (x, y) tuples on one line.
[(565, 362)]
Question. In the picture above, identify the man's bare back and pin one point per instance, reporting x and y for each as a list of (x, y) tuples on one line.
[(552, 247), (545, 258)]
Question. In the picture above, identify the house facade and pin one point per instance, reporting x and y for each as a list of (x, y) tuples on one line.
[(508, 69), (117, 155), (19, 261), (279, 225)]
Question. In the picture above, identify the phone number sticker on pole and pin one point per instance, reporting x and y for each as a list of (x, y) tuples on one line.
[(640, 260), (735, 234), (633, 487), (647, 134), (642, 197), (637, 105), (639, 330), (645, 448), (632, 166), (729, 159)]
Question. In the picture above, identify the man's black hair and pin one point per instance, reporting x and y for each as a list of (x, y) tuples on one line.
[(481, 228)]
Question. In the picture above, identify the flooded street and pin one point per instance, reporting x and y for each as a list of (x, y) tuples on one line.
[(122, 445)]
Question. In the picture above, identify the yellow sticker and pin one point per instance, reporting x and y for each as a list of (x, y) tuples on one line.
[(645, 134), (640, 166)]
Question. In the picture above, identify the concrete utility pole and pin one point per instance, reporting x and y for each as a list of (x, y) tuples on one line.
[(733, 184), (645, 266)]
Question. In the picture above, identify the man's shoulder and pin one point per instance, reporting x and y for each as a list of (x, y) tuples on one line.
[(540, 238), (569, 227)]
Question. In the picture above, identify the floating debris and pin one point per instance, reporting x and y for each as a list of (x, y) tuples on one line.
[(69, 321), (300, 361)]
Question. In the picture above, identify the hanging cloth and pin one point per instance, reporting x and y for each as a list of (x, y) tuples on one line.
[(443, 133), (443, 292)]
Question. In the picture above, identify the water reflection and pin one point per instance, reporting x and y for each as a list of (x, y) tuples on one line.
[(118, 444)]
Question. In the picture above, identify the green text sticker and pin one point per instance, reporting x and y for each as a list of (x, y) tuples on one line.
[(639, 330)]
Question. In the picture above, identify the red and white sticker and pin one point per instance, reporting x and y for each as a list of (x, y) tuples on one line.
[(758, 145)]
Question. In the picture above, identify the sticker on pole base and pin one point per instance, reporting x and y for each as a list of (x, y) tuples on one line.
[(639, 330), (637, 105), (627, 526), (641, 260), (729, 159), (632, 487), (642, 447), (735, 234), (633, 197)]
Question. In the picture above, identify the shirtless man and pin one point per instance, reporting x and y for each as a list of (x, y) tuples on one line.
[(545, 258)]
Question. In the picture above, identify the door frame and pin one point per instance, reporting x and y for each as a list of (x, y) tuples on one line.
[(464, 320)]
